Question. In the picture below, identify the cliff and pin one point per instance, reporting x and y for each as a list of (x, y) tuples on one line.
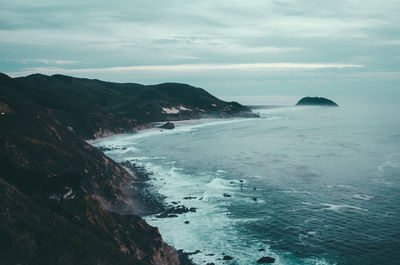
[(59, 195), (61, 200)]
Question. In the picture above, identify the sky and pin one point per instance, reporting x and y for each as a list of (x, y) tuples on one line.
[(230, 48)]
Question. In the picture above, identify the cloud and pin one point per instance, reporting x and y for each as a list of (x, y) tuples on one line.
[(190, 68), (387, 42), (173, 39), (47, 61)]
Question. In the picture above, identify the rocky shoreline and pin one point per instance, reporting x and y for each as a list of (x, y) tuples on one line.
[(149, 201), (153, 204), (53, 184), (159, 208)]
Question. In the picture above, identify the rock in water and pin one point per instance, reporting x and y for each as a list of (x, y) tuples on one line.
[(316, 101), (266, 260), (168, 125)]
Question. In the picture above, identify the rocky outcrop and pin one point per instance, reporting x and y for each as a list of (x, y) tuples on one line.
[(168, 126), (266, 260), (320, 101), (173, 211)]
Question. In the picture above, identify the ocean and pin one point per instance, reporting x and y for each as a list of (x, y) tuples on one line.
[(304, 185)]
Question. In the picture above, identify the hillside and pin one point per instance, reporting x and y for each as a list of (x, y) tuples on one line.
[(61, 200), (96, 108)]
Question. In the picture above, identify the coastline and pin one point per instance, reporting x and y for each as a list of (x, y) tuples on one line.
[(139, 187), (45, 155), (152, 128), (177, 210), (43, 126), (149, 202), (220, 184)]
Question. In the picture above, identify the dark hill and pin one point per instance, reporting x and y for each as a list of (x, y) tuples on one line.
[(316, 101), (96, 108)]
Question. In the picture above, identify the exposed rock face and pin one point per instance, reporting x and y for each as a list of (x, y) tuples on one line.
[(168, 126), (76, 231), (59, 196), (316, 101)]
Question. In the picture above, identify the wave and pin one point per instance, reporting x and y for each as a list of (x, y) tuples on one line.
[(339, 207), (181, 127), (219, 183), (392, 161), (363, 197)]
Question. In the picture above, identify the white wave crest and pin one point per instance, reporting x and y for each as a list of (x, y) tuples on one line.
[(363, 197)]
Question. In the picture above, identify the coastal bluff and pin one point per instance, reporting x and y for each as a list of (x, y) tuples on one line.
[(318, 101), (62, 201), (94, 108)]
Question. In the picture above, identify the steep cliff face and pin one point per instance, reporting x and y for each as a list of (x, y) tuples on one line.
[(59, 196), (75, 231)]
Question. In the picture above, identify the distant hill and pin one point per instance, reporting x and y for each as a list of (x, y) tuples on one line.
[(62, 200), (96, 108), (316, 101)]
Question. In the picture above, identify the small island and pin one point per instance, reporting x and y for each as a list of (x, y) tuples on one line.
[(320, 101)]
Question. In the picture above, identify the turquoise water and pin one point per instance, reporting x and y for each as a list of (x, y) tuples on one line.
[(309, 185)]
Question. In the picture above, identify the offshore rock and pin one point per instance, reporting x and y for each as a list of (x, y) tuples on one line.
[(266, 260), (320, 101), (168, 126), (173, 211)]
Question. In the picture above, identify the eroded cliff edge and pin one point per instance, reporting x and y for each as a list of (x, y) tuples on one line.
[(61, 200)]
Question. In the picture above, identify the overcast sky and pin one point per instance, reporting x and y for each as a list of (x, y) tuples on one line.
[(227, 47)]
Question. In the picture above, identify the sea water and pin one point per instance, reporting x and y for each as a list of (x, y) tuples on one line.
[(304, 185)]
